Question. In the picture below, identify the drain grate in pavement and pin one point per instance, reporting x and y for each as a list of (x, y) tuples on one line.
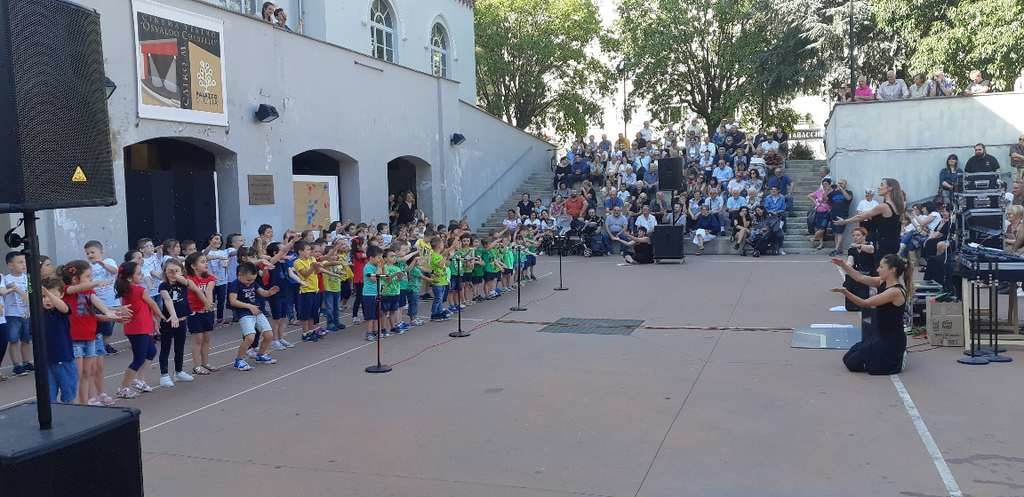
[(593, 326)]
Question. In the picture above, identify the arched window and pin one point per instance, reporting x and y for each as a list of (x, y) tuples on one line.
[(382, 31), (439, 51)]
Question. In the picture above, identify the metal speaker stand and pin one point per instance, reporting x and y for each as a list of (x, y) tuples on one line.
[(561, 286), (459, 332), (379, 367), (974, 356), (519, 281)]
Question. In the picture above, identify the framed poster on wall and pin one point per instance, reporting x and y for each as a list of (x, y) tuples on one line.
[(316, 201), (179, 65)]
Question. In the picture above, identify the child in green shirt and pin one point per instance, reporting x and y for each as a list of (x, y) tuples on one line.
[(391, 288)]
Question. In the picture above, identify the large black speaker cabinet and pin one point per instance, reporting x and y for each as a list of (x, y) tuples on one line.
[(667, 242), (90, 451), (670, 173), (54, 129)]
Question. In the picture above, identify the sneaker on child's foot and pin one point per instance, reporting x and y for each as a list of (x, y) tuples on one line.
[(106, 399), (166, 381), (286, 343), (356, 320), (96, 402), (183, 376), (141, 386), (18, 369), (241, 365), (127, 393), (782, 252), (277, 345), (435, 319), (398, 331), (251, 353), (340, 327), (417, 322), (265, 359), (385, 333), (28, 367), (109, 349), (370, 337)]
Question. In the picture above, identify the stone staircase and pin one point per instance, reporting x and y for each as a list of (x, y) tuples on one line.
[(537, 185), (805, 177)]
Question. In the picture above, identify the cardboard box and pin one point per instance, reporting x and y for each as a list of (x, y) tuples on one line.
[(945, 323)]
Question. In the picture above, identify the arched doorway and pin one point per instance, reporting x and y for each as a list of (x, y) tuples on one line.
[(171, 189), (326, 188), (410, 173)]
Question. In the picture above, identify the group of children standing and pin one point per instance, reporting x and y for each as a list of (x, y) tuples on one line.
[(164, 294)]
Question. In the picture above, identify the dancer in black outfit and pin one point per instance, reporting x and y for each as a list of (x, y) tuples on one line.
[(885, 218), (886, 352)]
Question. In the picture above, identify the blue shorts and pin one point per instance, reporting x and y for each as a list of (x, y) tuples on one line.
[(456, 283), (279, 305), (89, 348), (531, 260), (18, 330), (490, 276), (389, 303), (370, 307), (105, 328), (309, 306), (201, 322)]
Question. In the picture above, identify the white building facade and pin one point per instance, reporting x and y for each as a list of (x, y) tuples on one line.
[(369, 97)]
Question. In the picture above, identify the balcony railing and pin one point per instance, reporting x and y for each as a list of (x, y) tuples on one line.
[(247, 7)]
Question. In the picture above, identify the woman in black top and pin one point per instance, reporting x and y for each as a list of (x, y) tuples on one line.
[(407, 209), (741, 226), (937, 235), (643, 253), (884, 353), (861, 254), (525, 206), (885, 218)]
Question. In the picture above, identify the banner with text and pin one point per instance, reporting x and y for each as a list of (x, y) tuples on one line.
[(180, 65)]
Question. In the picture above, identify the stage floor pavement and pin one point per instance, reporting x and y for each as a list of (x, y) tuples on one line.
[(680, 407)]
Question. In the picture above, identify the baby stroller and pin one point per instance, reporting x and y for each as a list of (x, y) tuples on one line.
[(765, 238), (579, 240)]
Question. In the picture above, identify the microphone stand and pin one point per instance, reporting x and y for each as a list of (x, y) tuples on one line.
[(459, 333), (561, 248), (519, 281), (379, 367)]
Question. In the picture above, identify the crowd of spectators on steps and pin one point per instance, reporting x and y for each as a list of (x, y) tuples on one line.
[(733, 180)]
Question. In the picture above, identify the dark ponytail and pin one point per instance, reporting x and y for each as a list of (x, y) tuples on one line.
[(903, 269), (123, 283)]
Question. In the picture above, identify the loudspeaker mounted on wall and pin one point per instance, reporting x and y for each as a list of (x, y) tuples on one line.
[(458, 139), (266, 113)]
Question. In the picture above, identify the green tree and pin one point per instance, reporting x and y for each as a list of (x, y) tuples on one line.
[(987, 35), (713, 56), (536, 64)]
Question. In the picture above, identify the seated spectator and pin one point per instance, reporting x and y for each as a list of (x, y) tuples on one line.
[(646, 219), (511, 221), (950, 177), (562, 172), (921, 88), (754, 198), (724, 154), (696, 202), (706, 145), (615, 224), (942, 86), (660, 206), (533, 220), (892, 88), (939, 235), (924, 221), (1017, 156), (611, 173), (580, 171), (642, 163), (734, 203), (718, 138), (755, 181), (651, 179), (770, 145), (741, 225), (612, 200), (706, 228), (739, 183), (775, 203), (716, 205), (538, 205), (606, 144), (589, 194), (563, 191), (979, 85), (677, 217), (575, 206), (757, 162), (1013, 238), (772, 159), (627, 178), (779, 180), (525, 205), (981, 162), (722, 172), (863, 92), (546, 223), (622, 143)]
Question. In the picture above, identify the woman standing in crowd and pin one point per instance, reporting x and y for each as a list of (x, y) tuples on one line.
[(820, 197), (885, 218), (949, 178)]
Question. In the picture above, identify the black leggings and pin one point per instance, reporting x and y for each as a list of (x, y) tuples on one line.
[(177, 335), (359, 299)]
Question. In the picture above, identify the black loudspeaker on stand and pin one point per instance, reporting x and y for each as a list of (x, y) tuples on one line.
[(379, 367), (561, 248), (519, 281), (459, 332), (53, 157)]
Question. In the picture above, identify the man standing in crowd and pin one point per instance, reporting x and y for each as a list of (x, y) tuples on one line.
[(892, 88), (647, 133), (1017, 156), (981, 162), (606, 144), (943, 86)]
